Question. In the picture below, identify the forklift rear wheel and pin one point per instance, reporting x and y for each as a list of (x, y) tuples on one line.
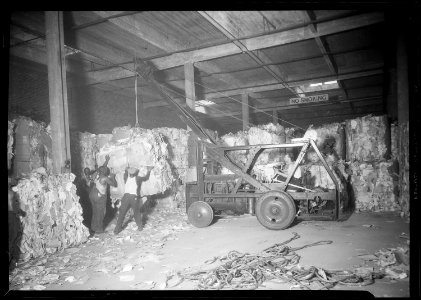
[(200, 214), (275, 210)]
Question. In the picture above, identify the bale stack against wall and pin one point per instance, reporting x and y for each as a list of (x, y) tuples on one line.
[(33, 148), (177, 141), (373, 186), (10, 140), (404, 167), (240, 138), (330, 139), (53, 218), (372, 175), (178, 151), (366, 140), (83, 146), (262, 134), (394, 140)]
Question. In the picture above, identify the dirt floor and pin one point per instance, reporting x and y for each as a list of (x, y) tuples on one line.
[(136, 260)]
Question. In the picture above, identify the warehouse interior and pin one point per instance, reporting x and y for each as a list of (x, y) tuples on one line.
[(272, 147)]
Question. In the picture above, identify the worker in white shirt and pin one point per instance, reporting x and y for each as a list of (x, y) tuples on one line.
[(131, 198)]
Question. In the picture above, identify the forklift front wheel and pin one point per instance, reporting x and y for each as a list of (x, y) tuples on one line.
[(275, 210), (200, 214)]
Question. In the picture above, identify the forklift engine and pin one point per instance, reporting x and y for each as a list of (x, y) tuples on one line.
[(234, 205)]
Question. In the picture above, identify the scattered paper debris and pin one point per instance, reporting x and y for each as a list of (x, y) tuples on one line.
[(39, 287), (70, 279), (127, 277), (368, 257), (127, 268)]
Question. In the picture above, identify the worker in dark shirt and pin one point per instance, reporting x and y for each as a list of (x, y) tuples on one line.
[(131, 198), (98, 196)]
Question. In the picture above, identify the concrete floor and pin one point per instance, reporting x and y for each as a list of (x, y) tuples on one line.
[(190, 247)]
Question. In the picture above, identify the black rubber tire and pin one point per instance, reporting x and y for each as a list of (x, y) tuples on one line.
[(200, 214), (275, 210)]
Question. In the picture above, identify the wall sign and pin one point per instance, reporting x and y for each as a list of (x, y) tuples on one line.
[(309, 99)]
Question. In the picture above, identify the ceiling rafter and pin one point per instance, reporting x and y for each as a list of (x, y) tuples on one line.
[(261, 59), (261, 42), (278, 86), (324, 48)]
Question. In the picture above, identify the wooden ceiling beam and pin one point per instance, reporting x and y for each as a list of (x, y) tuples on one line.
[(256, 43), (260, 58), (291, 107), (324, 48), (334, 112), (277, 86), (267, 41)]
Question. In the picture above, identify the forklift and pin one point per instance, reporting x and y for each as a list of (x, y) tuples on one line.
[(276, 204)]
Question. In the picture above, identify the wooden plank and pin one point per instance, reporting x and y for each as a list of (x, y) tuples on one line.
[(179, 59), (275, 116), (143, 31), (57, 90), (402, 80), (321, 43), (269, 40), (277, 86), (304, 33), (290, 107), (245, 110), (190, 86), (225, 26)]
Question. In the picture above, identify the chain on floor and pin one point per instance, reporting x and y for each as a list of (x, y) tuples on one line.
[(278, 263)]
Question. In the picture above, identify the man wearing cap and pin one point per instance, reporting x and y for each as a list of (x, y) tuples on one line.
[(98, 196), (131, 198)]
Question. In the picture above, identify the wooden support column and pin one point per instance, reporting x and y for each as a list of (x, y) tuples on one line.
[(403, 121), (402, 80), (189, 85), (57, 89), (391, 97), (245, 111), (275, 116), (190, 92)]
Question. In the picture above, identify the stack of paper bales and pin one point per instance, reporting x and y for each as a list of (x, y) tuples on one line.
[(32, 148), (329, 138), (139, 148), (372, 176), (404, 167), (372, 184), (53, 218), (10, 140), (238, 139), (83, 146), (394, 140), (177, 141), (366, 140), (262, 134)]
